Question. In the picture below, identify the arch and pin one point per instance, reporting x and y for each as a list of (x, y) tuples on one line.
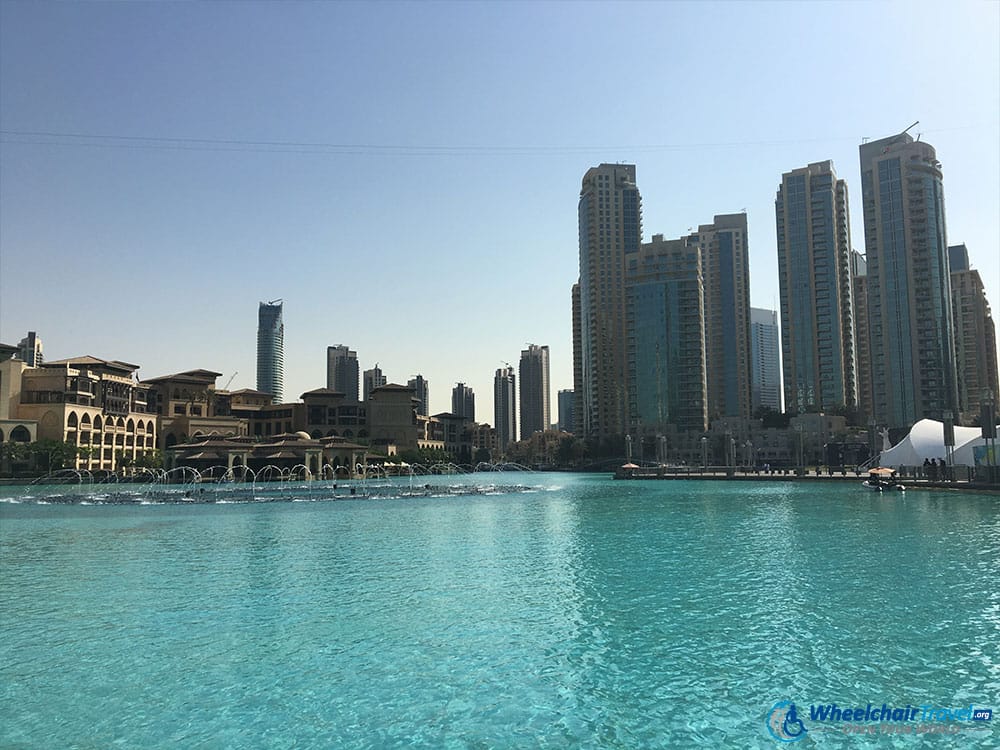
[(1, 436), (316, 434), (332, 433), (130, 425), (72, 421), (98, 422), (362, 433), (20, 434), (120, 423), (348, 433), (140, 427), (85, 421)]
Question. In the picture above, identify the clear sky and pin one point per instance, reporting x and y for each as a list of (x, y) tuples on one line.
[(405, 176)]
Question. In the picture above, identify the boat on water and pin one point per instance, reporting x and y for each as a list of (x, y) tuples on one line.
[(883, 479)]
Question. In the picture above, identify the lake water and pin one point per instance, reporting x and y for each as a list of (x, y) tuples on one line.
[(582, 613)]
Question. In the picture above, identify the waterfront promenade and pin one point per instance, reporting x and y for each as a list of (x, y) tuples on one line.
[(965, 478)]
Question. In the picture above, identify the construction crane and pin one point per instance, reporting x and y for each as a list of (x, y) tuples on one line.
[(230, 381)]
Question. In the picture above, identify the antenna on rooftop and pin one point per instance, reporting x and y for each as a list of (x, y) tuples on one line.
[(911, 127), (275, 301)]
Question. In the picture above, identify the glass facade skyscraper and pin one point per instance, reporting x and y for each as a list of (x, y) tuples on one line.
[(505, 418), (534, 394), (817, 299), (725, 264), (463, 402), (271, 350), (764, 350), (666, 338), (342, 371), (909, 291), (975, 336), (421, 391)]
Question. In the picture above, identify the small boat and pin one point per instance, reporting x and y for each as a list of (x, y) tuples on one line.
[(883, 479)]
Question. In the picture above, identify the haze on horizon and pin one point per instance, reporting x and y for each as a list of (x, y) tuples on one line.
[(405, 175)]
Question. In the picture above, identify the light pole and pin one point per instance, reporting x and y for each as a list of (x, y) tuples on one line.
[(628, 449), (704, 452)]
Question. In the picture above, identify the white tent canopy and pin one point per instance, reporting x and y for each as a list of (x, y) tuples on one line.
[(926, 440)]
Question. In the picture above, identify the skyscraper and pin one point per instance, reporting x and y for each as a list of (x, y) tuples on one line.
[(610, 230), (814, 275), (577, 361), (666, 338), (909, 285), (373, 379), (975, 336), (504, 415), (463, 402), (421, 391), (271, 350), (765, 373), (725, 268), (566, 403), (30, 350), (342, 371), (534, 393), (862, 343)]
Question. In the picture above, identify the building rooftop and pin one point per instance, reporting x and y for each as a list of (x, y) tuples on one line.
[(189, 375), (88, 360)]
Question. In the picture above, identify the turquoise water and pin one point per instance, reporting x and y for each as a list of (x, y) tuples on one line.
[(587, 613)]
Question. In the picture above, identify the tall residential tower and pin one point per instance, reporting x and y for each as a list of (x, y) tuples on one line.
[(765, 373), (610, 230), (975, 336), (534, 392), (463, 402), (373, 378), (504, 416), (342, 371), (666, 338), (421, 391), (909, 285), (814, 277), (725, 264), (271, 350)]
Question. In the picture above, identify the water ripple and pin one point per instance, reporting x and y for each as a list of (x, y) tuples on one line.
[(592, 615)]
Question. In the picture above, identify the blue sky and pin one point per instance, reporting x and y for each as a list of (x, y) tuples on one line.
[(405, 176)]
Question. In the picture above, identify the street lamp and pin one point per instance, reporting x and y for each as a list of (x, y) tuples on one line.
[(628, 448), (704, 452)]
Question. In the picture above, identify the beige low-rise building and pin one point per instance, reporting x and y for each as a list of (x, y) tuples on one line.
[(293, 454), (13, 428), (189, 407), (94, 404)]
